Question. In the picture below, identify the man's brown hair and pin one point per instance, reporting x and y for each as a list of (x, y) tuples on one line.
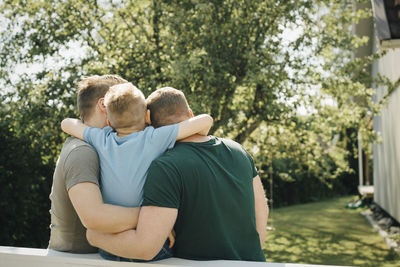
[(126, 106), (167, 105), (91, 89)]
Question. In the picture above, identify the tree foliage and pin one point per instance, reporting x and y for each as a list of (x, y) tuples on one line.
[(250, 64)]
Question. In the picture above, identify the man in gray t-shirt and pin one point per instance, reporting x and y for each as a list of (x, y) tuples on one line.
[(78, 163), (76, 201)]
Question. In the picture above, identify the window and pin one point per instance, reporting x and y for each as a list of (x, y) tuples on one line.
[(387, 22)]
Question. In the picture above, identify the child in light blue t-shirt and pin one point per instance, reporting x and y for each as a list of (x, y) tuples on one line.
[(127, 147)]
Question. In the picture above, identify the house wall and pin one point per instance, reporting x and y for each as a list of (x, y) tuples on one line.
[(387, 153)]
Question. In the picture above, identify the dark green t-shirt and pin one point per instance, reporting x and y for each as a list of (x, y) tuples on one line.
[(211, 185)]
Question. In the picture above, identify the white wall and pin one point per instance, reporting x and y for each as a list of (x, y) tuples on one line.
[(387, 153)]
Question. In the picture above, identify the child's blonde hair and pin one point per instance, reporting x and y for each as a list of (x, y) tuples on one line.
[(125, 105)]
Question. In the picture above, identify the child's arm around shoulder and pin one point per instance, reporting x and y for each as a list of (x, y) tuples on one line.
[(74, 127), (200, 124)]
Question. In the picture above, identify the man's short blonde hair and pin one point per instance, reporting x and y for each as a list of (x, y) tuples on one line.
[(91, 89), (167, 105), (125, 105)]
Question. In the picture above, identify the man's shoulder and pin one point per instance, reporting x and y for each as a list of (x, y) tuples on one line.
[(171, 159), (72, 143), (169, 155), (228, 142), (218, 141), (76, 146), (77, 157)]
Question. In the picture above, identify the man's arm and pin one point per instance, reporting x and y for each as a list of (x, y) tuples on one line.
[(73, 127), (200, 124), (94, 214), (154, 226), (261, 207)]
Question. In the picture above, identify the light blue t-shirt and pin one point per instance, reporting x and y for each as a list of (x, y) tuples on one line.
[(124, 160)]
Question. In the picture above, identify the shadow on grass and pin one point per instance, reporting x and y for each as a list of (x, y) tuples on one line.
[(326, 233)]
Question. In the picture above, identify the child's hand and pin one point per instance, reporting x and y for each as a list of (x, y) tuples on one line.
[(171, 238)]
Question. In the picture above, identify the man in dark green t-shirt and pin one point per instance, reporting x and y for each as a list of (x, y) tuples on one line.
[(207, 187)]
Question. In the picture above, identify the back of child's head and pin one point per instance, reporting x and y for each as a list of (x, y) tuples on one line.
[(125, 105), (91, 89), (167, 105)]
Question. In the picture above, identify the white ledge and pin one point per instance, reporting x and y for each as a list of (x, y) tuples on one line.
[(33, 257), (392, 43)]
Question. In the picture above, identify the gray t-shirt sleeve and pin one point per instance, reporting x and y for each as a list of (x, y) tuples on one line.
[(81, 165)]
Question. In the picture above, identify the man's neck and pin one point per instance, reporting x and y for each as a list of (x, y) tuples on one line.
[(93, 122), (196, 138), (97, 119)]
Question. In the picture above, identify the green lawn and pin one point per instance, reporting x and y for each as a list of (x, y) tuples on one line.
[(325, 233)]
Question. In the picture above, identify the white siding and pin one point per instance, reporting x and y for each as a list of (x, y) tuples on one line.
[(387, 153)]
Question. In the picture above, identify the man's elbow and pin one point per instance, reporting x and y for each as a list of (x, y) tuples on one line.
[(142, 253), (64, 124), (92, 222), (90, 237), (147, 251), (148, 254), (210, 119)]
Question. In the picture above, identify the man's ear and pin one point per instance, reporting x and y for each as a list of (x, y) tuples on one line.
[(101, 105), (191, 113), (147, 118)]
